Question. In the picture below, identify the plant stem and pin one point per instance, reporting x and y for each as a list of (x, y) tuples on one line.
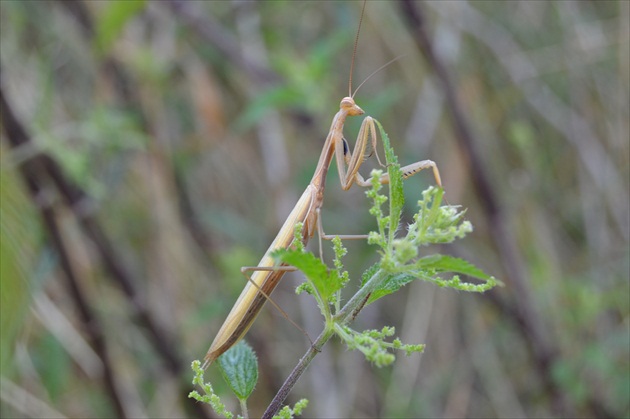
[(297, 372), (244, 410), (356, 303), (345, 316)]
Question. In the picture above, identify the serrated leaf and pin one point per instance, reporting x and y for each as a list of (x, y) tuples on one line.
[(446, 263), (239, 368), (392, 284), (325, 281), (390, 156), (396, 193), (427, 269), (369, 273)]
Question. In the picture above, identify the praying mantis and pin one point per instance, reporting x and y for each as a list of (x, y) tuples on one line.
[(267, 275)]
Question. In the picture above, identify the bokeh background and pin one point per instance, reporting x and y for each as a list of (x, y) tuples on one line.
[(150, 149)]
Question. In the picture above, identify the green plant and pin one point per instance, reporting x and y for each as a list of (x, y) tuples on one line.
[(400, 263)]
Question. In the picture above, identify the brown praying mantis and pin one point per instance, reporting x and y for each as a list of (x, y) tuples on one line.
[(266, 275)]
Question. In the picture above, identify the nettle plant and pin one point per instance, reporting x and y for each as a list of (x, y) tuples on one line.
[(400, 263)]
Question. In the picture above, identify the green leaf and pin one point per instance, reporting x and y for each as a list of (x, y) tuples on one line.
[(392, 284), (435, 223), (325, 281), (390, 156), (427, 268), (446, 263), (288, 413), (396, 193), (209, 396), (113, 20), (239, 368), (369, 273)]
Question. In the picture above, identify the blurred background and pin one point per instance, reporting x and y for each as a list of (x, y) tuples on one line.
[(151, 149)]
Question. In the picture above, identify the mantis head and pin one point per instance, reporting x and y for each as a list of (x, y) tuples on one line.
[(347, 104)]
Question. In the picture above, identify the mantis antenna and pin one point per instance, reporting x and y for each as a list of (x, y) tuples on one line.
[(376, 71), (354, 54), (354, 51)]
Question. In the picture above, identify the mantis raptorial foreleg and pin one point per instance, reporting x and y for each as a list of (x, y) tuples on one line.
[(348, 164), (353, 160)]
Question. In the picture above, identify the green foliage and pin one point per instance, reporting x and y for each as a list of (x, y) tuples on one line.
[(209, 396), (428, 268), (399, 264), (562, 190), (112, 21), (287, 412), (373, 345), (344, 276), (433, 224), (396, 193), (239, 368), (323, 282)]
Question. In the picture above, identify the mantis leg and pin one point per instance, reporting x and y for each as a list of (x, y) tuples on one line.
[(413, 168), (246, 269), (321, 235), (348, 163)]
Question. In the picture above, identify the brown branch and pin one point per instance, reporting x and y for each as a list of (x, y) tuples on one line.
[(278, 400)]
